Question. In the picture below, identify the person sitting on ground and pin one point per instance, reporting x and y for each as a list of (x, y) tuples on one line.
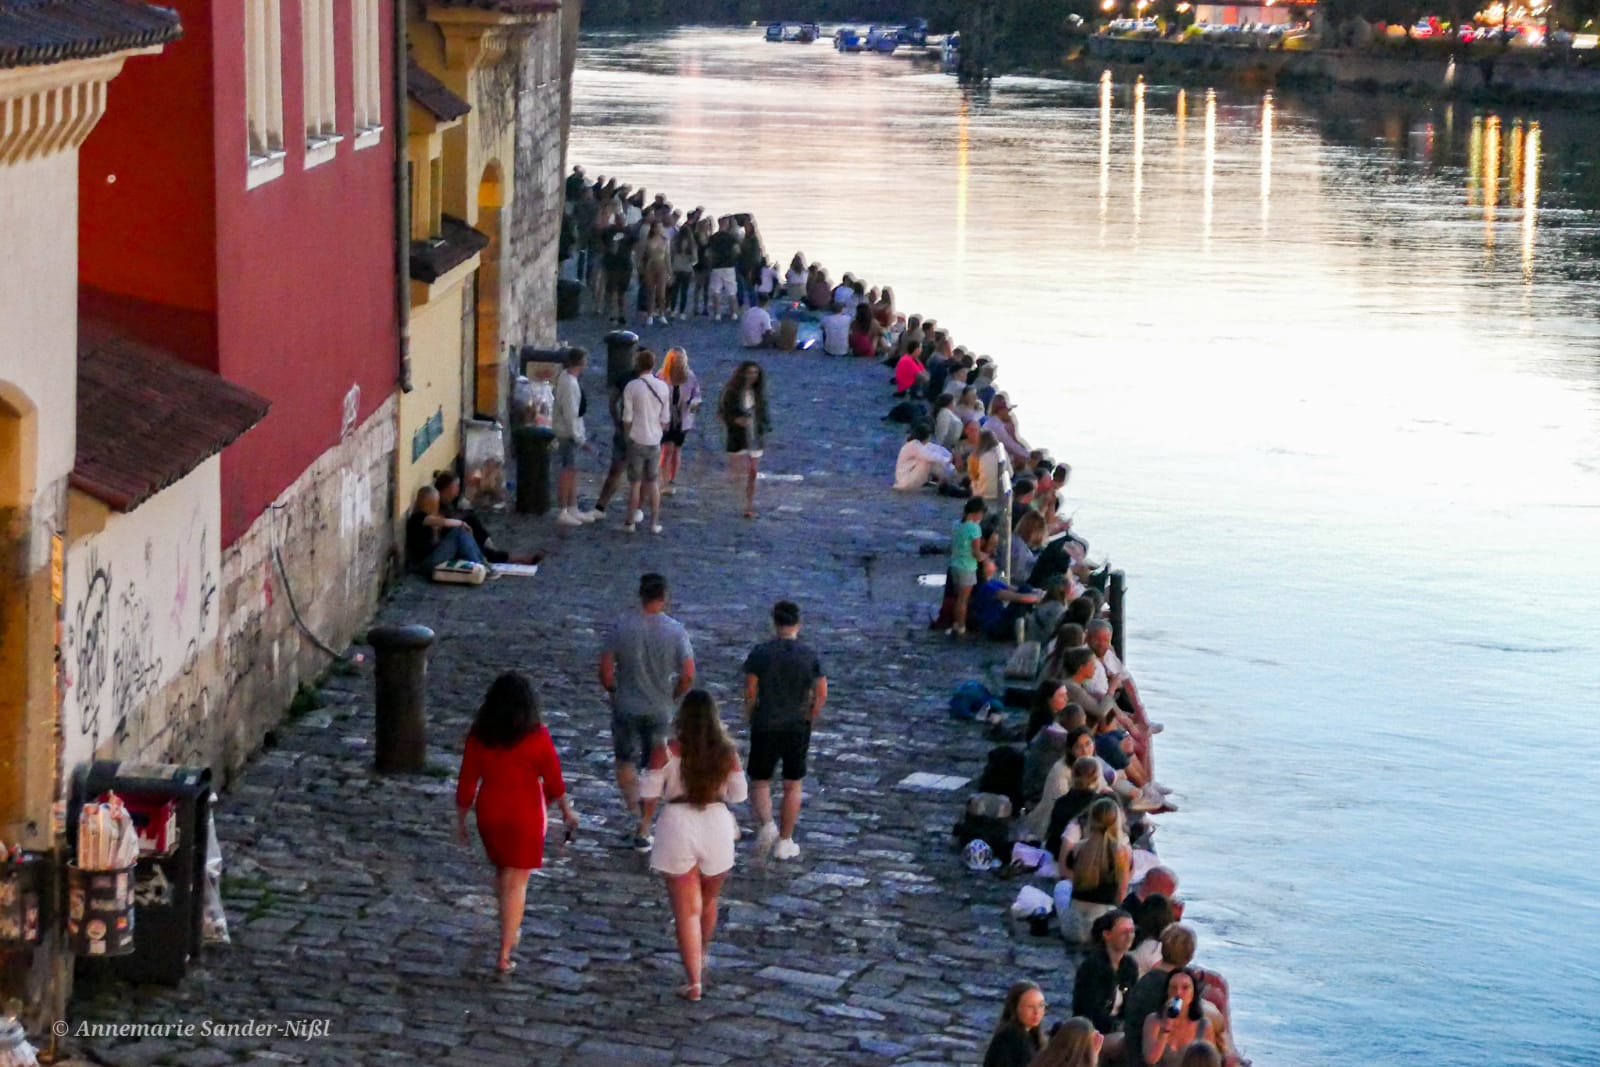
[(1026, 538), (836, 332), (1003, 424), (1157, 881), (819, 291), (1097, 636), (1156, 913), (1046, 614), (844, 294), (1043, 751), (1166, 1032), (451, 506), (1178, 943), (1065, 828), (864, 333), (984, 373), (968, 408), (794, 280), (996, 605), (1035, 824), (1049, 701), (946, 424), (883, 310), (433, 540), (755, 326), (1101, 865), (911, 335), (955, 381), (921, 461), (1076, 1043), (1105, 977), (1019, 1037), (910, 372)]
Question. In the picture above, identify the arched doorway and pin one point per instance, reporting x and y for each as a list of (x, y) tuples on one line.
[(489, 387)]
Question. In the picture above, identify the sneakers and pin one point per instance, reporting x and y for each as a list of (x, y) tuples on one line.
[(1147, 799), (643, 842), (655, 529), (569, 517), (592, 515), (628, 527), (766, 837), (786, 849), (638, 517)]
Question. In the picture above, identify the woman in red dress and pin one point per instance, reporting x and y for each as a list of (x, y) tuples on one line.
[(510, 772)]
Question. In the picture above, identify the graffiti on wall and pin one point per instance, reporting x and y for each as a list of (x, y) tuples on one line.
[(141, 611)]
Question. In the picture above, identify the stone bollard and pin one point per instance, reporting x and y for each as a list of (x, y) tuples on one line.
[(401, 670), (1116, 595)]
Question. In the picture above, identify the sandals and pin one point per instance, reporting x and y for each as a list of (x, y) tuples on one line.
[(503, 970), (690, 992)]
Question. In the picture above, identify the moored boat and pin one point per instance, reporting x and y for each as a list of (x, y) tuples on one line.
[(848, 39)]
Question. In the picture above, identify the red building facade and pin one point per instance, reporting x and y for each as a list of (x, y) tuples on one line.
[(277, 272)]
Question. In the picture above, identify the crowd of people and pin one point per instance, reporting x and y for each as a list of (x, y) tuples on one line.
[(1074, 802)]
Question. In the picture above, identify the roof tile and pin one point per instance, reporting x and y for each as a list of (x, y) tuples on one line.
[(37, 32), (433, 95), (145, 418)]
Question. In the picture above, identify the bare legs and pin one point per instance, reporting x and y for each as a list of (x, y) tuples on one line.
[(963, 595), (791, 810), (743, 467), (694, 914), (669, 462), (511, 889), (646, 495)]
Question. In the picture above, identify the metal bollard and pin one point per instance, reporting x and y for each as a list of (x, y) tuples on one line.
[(1116, 594), (400, 673)]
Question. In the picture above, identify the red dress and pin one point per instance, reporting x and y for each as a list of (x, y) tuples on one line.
[(518, 782)]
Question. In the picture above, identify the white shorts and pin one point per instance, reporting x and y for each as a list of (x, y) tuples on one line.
[(688, 837), (723, 283)]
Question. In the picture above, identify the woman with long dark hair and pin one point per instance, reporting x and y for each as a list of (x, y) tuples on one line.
[(510, 773), (697, 774), (1179, 1023), (744, 415), (1075, 1044), (1019, 1036)]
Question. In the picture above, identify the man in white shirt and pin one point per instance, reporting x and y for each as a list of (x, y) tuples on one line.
[(755, 327), (844, 295), (836, 332), (1097, 635), (920, 460), (567, 422), (646, 412)]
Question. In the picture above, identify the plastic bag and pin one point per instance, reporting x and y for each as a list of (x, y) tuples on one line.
[(214, 920)]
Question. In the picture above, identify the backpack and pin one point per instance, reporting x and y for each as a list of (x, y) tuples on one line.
[(971, 701)]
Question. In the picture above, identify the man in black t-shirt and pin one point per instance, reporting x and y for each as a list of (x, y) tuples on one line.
[(784, 690)]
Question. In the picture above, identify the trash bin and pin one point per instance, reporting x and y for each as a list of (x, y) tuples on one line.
[(532, 445), (171, 807), (569, 298)]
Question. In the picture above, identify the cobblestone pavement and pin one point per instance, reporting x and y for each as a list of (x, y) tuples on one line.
[(350, 900)]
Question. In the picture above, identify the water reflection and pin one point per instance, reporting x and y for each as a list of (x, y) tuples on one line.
[(1266, 160), (1182, 123), (1208, 187), (1530, 197), (1491, 178), (963, 147), (1105, 146), (1138, 153)]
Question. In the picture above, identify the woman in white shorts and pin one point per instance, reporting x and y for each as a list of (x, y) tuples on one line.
[(697, 774)]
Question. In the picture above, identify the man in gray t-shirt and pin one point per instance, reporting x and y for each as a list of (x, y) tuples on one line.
[(646, 666)]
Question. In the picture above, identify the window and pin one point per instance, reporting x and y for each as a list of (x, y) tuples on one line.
[(263, 89), (316, 59), (365, 72)]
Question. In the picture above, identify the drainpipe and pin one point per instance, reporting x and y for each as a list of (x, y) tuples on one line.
[(402, 203), (402, 262)]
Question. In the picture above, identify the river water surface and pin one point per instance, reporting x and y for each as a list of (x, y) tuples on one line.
[(1329, 378)]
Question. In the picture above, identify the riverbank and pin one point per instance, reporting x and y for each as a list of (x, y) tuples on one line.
[(1512, 77), (350, 900)]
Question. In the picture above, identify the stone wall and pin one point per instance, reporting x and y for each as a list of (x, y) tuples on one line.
[(331, 530), (529, 310)]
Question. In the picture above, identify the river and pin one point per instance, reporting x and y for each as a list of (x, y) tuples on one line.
[(1329, 378)]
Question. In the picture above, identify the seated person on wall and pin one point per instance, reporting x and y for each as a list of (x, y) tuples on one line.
[(755, 325), (836, 332), (451, 506), (433, 539), (1178, 945), (996, 606), (921, 461), (910, 373)]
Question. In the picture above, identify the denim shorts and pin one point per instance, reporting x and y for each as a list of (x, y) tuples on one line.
[(566, 453), (633, 738)]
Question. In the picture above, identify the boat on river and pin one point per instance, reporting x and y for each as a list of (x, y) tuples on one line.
[(848, 39), (793, 32), (950, 52), (884, 39)]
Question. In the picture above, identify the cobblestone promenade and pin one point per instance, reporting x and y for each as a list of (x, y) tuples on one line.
[(349, 899)]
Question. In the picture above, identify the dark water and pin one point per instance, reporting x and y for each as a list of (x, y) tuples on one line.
[(1329, 377)]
